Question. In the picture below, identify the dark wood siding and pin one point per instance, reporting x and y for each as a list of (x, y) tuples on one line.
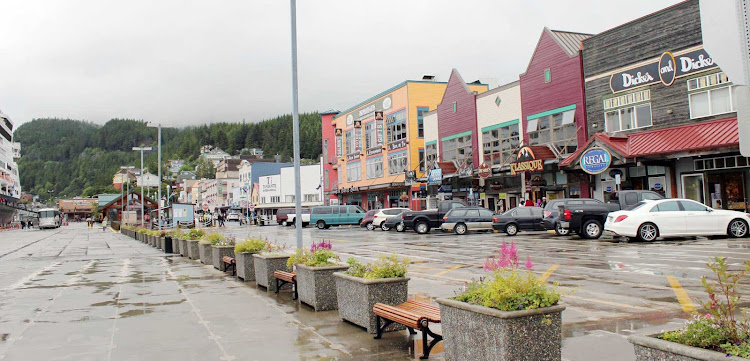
[(465, 117)]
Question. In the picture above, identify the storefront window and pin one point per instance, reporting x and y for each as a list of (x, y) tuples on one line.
[(374, 167), (397, 163), (396, 124), (499, 144), (557, 129), (710, 95), (458, 149)]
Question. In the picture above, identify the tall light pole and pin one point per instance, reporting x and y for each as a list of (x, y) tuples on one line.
[(295, 124), (142, 149), (158, 147)]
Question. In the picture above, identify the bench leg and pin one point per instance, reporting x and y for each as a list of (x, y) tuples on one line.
[(234, 269), (411, 331), (223, 266), (428, 347), (277, 285), (295, 290), (386, 323)]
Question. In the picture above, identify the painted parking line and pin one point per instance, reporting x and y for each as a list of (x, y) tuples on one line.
[(682, 296), (549, 272), (451, 269)]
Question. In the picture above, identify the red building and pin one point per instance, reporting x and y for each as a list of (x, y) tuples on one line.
[(553, 111), (330, 168)]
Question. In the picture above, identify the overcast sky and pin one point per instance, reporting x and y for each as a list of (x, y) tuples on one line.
[(182, 62)]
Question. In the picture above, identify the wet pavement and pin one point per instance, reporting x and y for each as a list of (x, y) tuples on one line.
[(82, 294)]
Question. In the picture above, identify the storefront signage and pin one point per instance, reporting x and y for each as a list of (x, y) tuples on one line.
[(665, 70), (595, 160), (373, 151), (369, 110), (527, 162), (352, 156), (484, 170), (379, 127), (396, 145), (435, 177)]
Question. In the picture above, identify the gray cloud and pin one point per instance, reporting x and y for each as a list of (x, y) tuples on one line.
[(190, 62)]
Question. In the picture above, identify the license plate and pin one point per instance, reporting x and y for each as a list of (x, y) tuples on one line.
[(565, 224)]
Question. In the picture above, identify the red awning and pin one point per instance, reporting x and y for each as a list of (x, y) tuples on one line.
[(685, 138), (447, 167)]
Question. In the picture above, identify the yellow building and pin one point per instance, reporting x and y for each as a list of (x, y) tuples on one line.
[(379, 145)]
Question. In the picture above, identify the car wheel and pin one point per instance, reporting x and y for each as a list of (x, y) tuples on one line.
[(384, 227), (648, 232), (511, 229), (321, 224), (561, 231), (460, 229), (370, 226), (737, 228), (422, 227), (592, 229), (400, 227), (284, 223)]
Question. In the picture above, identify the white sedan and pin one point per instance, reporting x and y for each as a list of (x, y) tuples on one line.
[(379, 218), (675, 218)]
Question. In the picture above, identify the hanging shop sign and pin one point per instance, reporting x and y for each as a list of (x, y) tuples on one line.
[(397, 144), (435, 177), (595, 160), (663, 70), (527, 162), (484, 170), (379, 127)]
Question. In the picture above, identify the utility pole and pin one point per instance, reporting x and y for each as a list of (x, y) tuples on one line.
[(295, 124), (158, 215), (142, 149)]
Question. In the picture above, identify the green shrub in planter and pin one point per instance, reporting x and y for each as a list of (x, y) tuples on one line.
[(316, 285), (243, 254), (362, 286), (221, 248), (519, 309), (205, 246)]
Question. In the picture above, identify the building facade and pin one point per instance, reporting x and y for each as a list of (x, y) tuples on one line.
[(663, 112), (379, 146), (554, 113)]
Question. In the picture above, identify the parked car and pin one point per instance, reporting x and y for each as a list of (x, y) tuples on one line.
[(422, 221), (621, 200), (233, 215), (380, 217), (326, 216), (676, 218), (519, 219), (587, 219), (464, 219), (290, 214), (393, 222), (367, 221)]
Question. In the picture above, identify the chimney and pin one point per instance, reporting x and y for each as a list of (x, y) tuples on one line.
[(428, 77)]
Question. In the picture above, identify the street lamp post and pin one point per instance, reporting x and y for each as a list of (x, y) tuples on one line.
[(295, 125), (158, 147), (142, 149)]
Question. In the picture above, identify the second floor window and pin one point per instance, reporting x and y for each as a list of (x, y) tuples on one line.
[(628, 111), (710, 95), (459, 148), (430, 155), (557, 129), (499, 144), (397, 163)]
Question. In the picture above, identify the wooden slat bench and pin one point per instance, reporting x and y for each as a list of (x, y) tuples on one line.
[(227, 262), (413, 315), (283, 278)]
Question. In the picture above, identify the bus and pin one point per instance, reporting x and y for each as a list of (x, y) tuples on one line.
[(49, 218)]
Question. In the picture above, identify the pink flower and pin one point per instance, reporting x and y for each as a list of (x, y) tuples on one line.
[(528, 263)]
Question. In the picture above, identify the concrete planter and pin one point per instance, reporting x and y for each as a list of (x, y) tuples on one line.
[(650, 348), (472, 332), (316, 286), (193, 249), (264, 267), (245, 266), (356, 297), (183, 249), (161, 242), (204, 250), (217, 252), (175, 245)]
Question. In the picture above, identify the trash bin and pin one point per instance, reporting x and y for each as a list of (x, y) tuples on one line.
[(168, 244)]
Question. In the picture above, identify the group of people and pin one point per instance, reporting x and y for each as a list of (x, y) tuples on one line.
[(540, 202), (26, 224), (217, 217)]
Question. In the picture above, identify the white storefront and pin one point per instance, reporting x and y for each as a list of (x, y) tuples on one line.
[(277, 191)]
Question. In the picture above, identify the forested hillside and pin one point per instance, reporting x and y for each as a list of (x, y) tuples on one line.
[(73, 157)]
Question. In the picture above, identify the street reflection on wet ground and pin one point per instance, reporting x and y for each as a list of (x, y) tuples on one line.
[(83, 294)]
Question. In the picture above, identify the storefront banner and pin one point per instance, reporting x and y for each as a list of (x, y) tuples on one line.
[(435, 177), (369, 110), (663, 70), (379, 128), (595, 160), (527, 166)]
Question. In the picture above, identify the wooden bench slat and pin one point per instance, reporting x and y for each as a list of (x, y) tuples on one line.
[(286, 276)]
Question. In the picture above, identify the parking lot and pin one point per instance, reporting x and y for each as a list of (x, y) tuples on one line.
[(83, 294)]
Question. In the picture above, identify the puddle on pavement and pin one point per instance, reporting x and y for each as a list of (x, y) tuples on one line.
[(133, 313), (619, 326)]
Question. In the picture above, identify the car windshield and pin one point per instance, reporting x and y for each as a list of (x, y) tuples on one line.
[(635, 206)]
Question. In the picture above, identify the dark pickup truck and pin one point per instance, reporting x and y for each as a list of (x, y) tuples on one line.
[(587, 219), (422, 221)]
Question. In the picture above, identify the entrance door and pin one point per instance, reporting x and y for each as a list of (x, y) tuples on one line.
[(491, 203), (692, 187)]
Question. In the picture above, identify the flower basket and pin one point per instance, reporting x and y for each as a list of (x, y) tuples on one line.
[(356, 296), (316, 286), (472, 332)]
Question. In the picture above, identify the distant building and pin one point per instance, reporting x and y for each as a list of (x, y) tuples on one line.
[(77, 207), (175, 165), (106, 198), (16, 148), (147, 180), (255, 152), (123, 176), (215, 155), (185, 175)]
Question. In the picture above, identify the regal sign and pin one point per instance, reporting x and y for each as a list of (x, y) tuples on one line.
[(665, 70), (527, 162), (595, 160)]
